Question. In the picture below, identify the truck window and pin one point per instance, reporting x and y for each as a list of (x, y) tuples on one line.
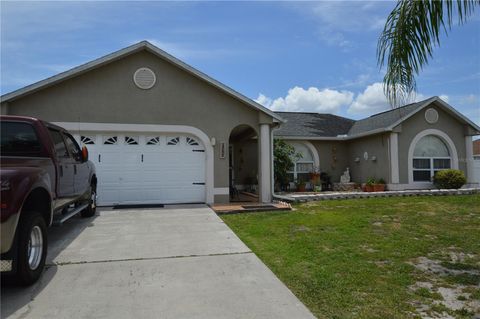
[(60, 148), (19, 139), (73, 147)]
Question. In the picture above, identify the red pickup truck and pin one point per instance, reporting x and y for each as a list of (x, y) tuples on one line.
[(46, 178)]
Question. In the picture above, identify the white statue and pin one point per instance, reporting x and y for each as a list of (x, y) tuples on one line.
[(345, 178)]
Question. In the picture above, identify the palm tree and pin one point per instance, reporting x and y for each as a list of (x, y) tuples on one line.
[(411, 32)]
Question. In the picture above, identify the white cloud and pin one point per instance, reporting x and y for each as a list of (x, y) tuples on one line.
[(371, 101), (310, 100)]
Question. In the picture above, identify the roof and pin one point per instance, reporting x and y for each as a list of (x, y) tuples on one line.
[(313, 125), (385, 119), (326, 126), (143, 45)]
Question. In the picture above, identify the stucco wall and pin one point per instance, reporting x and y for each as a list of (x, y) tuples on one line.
[(375, 145), (417, 123), (108, 95), (333, 158)]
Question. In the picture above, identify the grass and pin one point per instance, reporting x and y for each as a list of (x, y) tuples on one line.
[(353, 258)]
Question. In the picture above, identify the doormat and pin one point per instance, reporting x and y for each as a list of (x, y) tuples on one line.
[(138, 206)]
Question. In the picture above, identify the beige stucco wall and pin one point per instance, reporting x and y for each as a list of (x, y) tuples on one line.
[(108, 95), (417, 123), (333, 158), (374, 145)]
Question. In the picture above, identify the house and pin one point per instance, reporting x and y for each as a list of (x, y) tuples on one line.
[(476, 149), (160, 131), (404, 146)]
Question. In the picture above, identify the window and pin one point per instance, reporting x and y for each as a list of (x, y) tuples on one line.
[(191, 141), (73, 147), (302, 167), (173, 141), (110, 140), (87, 140), (153, 140), (59, 144), (130, 140), (19, 139), (430, 155)]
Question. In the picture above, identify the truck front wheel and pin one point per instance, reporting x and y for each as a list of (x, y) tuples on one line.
[(92, 203), (32, 247)]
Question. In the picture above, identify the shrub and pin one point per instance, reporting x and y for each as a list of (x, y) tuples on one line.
[(449, 178)]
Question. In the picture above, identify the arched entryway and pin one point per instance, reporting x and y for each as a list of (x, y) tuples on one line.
[(243, 164)]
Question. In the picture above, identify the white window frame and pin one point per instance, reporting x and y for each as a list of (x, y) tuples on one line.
[(432, 169), (452, 150)]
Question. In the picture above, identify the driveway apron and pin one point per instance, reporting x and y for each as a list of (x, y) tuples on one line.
[(174, 262)]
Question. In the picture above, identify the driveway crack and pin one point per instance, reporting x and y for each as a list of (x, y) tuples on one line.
[(66, 263)]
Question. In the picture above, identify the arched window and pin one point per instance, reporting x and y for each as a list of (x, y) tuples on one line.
[(430, 155), (303, 166)]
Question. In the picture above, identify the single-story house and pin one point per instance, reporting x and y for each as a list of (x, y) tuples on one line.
[(404, 146), (160, 131)]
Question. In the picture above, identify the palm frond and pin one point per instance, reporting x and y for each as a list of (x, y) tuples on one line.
[(411, 32)]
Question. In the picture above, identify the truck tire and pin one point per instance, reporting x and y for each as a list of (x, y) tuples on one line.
[(92, 206), (32, 247)]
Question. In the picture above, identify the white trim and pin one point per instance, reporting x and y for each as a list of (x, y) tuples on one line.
[(446, 139), (311, 148), (265, 162), (469, 159), (221, 191), (114, 127), (394, 167)]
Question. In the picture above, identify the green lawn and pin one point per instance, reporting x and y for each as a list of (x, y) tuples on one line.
[(363, 258)]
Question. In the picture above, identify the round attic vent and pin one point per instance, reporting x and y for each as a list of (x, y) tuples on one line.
[(431, 116), (144, 78)]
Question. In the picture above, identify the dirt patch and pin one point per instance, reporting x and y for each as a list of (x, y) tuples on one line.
[(442, 296)]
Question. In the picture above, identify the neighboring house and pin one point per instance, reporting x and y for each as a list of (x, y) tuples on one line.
[(404, 146), (476, 149), (160, 131)]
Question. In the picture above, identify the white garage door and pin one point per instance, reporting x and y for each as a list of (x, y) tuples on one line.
[(147, 168)]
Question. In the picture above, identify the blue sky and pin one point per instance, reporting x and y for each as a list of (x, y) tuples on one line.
[(298, 56)]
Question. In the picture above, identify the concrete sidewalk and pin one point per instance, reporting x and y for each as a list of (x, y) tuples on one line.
[(175, 262)]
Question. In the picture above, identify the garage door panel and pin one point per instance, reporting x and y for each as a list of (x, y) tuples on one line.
[(153, 173)]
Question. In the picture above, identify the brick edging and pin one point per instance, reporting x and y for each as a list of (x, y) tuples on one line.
[(350, 195)]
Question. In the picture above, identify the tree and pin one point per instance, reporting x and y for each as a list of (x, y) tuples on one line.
[(284, 155), (411, 32)]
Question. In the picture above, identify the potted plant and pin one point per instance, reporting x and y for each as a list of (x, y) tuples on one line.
[(300, 186), (315, 176), (369, 184), (379, 186)]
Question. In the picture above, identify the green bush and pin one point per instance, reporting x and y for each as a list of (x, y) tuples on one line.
[(449, 178)]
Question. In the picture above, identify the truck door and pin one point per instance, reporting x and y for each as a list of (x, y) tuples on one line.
[(81, 169), (65, 177)]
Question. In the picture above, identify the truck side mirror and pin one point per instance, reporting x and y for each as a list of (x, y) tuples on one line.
[(84, 153)]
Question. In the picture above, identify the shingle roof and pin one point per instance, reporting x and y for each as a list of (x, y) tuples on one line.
[(313, 125), (384, 119)]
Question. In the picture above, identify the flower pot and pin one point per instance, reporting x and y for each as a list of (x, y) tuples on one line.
[(369, 188), (301, 188), (378, 187)]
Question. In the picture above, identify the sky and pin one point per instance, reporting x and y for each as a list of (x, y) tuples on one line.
[(288, 56)]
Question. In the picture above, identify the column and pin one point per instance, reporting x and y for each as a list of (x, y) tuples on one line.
[(264, 164), (394, 170), (469, 159)]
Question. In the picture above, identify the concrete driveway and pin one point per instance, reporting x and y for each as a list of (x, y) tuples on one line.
[(175, 262)]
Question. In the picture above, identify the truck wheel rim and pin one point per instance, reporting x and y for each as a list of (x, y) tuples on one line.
[(35, 247), (93, 200)]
